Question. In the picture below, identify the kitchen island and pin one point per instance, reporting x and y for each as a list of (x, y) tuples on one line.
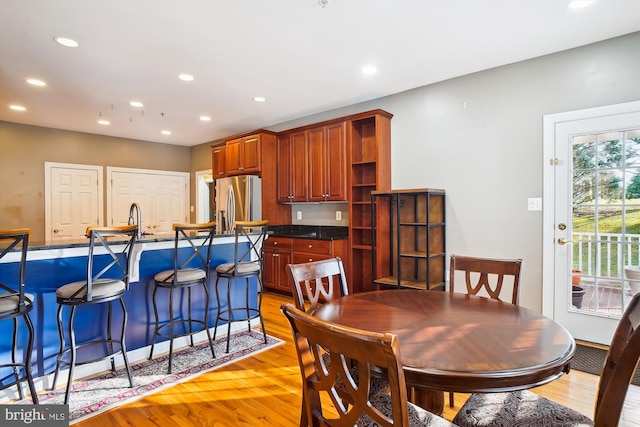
[(50, 266)]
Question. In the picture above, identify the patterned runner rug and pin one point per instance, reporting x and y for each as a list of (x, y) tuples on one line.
[(92, 396), (591, 359)]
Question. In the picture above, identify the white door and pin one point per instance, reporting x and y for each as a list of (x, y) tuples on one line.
[(169, 195), (73, 200), (204, 205), (162, 197), (592, 217)]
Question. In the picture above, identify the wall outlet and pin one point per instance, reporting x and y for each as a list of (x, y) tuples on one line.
[(338, 215), (299, 214)]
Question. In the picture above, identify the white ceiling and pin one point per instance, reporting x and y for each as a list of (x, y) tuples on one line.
[(304, 58)]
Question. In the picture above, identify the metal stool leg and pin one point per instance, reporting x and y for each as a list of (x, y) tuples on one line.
[(59, 357), (72, 351), (27, 360), (230, 313), (155, 329), (122, 341), (14, 357)]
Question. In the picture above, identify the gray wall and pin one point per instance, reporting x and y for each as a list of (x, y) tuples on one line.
[(488, 155), (25, 149)]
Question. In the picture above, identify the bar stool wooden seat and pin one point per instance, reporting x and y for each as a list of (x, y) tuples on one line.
[(16, 304), (248, 262), (107, 280), (191, 267)]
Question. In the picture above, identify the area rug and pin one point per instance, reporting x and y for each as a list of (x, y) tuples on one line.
[(92, 396), (591, 359)]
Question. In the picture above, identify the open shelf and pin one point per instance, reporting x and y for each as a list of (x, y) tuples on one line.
[(408, 232)]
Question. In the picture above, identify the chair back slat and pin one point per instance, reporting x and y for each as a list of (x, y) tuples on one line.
[(106, 239), (619, 366), (255, 233), (317, 282), (10, 239), (487, 274), (191, 233), (332, 384)]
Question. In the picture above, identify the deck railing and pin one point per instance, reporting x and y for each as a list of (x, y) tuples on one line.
[(615, 251)]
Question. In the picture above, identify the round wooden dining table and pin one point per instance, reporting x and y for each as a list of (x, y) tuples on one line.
[(459, 343)]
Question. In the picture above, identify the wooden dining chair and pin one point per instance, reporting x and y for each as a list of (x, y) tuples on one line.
[(315, 282), (525, 408), (485, 275), (328, 387)]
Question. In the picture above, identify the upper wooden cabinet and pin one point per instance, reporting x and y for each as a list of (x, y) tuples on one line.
[(243, 155), (218, 169), (328, 163), (253, 153), (312, 164), (292, 167)]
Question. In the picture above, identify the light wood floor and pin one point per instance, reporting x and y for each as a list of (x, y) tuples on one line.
[(264, 390)]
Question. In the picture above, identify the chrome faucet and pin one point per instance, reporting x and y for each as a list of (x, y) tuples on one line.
[(138, 218)]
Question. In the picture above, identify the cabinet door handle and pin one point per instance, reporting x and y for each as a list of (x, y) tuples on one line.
[(310, 246)]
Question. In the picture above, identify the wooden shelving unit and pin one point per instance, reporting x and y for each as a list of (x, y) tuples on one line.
[(408, 235), (369, 136)]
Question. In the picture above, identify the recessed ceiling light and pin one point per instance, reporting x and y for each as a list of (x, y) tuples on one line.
[(369, 70), (104, 122), (186, 77), (66, 42), (36, 82), (136, 104), (166, 132), (205, 118), (579, 4), (17, 107), (259, 98)]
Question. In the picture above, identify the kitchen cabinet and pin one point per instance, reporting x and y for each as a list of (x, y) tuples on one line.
[(218, 169), (280, 251), (409, 239), (328, 163), (242, 155), (254, 153), (292, 167), (277, 254)]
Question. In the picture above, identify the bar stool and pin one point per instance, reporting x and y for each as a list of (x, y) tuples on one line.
[(191, 268), (246, 263), (15, 303), (107, 280)]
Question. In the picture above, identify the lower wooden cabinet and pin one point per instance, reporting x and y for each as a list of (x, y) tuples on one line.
[(280, 251), (277, 254)]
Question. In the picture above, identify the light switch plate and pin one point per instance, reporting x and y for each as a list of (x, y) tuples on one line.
[(299, 214), (338, 215), (535, 203)]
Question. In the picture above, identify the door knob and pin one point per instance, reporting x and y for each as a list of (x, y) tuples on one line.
[(563, 241)]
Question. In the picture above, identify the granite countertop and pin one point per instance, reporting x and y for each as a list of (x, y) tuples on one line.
[(317, 232), (84, 242)]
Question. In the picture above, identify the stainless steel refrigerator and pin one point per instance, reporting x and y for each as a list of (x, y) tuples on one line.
[(237, 198)]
